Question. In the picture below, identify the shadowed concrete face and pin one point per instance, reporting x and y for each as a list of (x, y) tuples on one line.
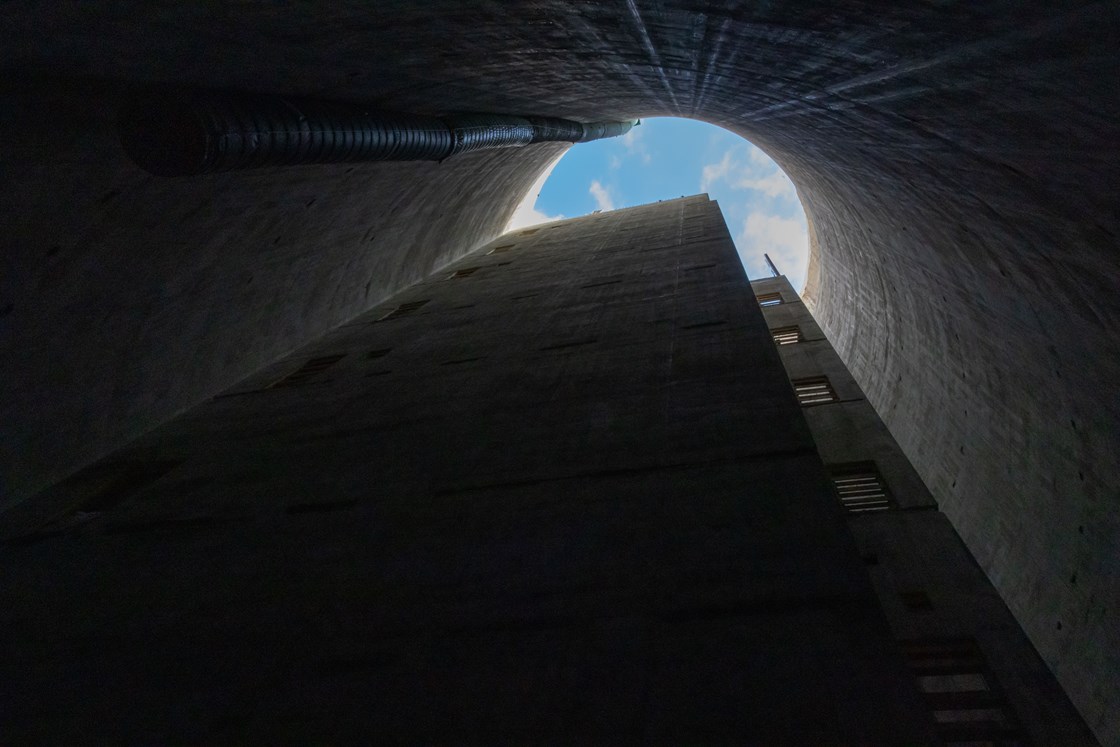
[(957, 165), (526, 500)]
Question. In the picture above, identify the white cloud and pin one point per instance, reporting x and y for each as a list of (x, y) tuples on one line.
[(635, 144), (747, 183), (758, 173), (774, 184), (615, 162), (526, 213), (786, 240), (715, 172), (601, 195), (758, 157)]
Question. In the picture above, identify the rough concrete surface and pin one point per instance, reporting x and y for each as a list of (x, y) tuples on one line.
[(537, 508), (929, 586), (957, 161)]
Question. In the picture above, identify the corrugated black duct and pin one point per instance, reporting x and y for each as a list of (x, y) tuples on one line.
[(197, 133), (554, 129), (483, 131)]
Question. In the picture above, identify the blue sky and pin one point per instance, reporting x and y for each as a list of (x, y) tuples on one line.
[(665, 158)]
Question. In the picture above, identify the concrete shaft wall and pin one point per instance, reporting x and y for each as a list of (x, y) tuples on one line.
[(957, 162), (569, 498), (938, 602)]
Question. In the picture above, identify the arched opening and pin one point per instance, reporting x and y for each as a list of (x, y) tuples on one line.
[(957, 163), (668, 157)]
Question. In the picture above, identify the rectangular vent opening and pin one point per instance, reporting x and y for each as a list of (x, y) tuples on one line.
[(816, 390), (769, 299), (700, 267), (378, 353), (501, 249), (307, 371), (860, 488), (933, 657), (786, 335), (958, 689), (466, 272), (405, 308)]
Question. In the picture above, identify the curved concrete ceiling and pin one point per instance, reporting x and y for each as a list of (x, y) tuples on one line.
[(958, 163)]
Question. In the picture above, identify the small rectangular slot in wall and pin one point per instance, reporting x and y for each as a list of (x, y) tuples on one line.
[(307, 371), (860, 487), (700, 325), (174, 523), (94, 491), (466, 272), (134, 477), (405, 308), (769, 299), (935, 657), (605, 282), (501, 249), (529, 232), (564, 345), (816, 390), (786, 335), (378, 353), (958, 688), (700, 267)]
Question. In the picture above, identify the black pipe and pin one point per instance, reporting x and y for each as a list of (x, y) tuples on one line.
[(197, 133), (483, 131), (554, 129)]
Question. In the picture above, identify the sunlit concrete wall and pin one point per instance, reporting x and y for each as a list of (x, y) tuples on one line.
[(958, 164)]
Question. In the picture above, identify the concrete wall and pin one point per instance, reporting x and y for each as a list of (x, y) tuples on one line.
[(928, 584), (571, 498), (957, 161), (130, 298)]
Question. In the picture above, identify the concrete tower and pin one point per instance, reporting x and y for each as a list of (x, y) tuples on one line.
[(560, 489), (957, 163)]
